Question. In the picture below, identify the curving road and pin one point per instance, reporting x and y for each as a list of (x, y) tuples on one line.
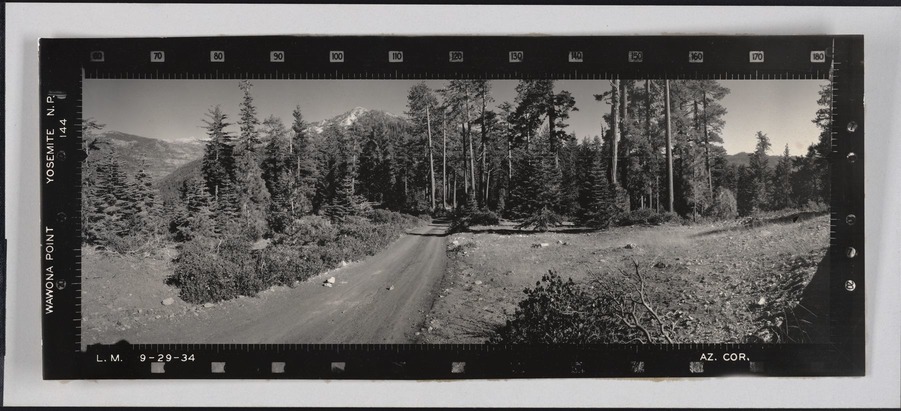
[(361, 307)]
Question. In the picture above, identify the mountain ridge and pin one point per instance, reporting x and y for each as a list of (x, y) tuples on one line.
[(157, 157)]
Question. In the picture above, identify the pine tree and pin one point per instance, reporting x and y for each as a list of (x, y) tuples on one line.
[(816, 187), (759, 169), (782, 196), (226, 211), (115, 205), (278, 174), (524, 194), (596, 196), (253, 198), (147, 218), (193, 215), (305, 165), (536, 193), (218, 164), (421, 103), (342, 203), (746, 191), (89, 177)]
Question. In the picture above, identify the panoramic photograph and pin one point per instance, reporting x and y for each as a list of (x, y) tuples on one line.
[(455, 211)]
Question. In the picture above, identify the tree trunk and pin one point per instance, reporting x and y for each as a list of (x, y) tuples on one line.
[(647, 129), (707, 149), (509, 160), (455, 190), (472, 162), (465, 177), (484, 171), (551, 127), (624, 127), (647, 104), (669, 151), (487, 186), (614, 128), (428, 120), (444, 158)]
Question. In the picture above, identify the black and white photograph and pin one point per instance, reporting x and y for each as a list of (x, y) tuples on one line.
[(625, 211)]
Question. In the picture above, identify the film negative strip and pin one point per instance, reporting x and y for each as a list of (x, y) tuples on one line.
[(374, 207)]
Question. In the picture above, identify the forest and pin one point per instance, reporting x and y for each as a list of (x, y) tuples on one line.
[(274, 202)]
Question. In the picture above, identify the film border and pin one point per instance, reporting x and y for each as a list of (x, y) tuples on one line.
[(66, 62)]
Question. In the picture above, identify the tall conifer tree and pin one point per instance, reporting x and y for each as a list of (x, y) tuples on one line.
[(253, 198)]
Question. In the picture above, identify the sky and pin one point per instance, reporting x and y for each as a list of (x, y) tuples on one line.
[(174, 109)]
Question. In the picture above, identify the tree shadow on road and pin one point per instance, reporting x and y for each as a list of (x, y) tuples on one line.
[(435, 224)]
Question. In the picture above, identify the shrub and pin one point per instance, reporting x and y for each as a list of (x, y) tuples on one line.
[(312, 229), (557, 311), (202, 276), (664, 217), (541, 220), (281, 263), (612, 311), (209, 270), (724, 206), (484, 217), (379, 216), (464, 219), (644, 216)]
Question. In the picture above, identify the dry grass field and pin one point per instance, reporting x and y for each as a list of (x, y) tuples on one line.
[(718, 282)]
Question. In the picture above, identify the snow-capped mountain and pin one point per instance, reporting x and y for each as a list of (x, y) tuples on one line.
[(345, 120)]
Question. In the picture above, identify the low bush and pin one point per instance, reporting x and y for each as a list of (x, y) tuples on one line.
[(645, 216), (202, 276), (463, 219), (484, 217), (312, 229), (379, 216), (725, 206), (619, 311), (542, 220), (559, 311)]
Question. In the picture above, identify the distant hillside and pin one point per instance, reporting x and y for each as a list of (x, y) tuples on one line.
[(158, 157), (169, 184), (744, 159)]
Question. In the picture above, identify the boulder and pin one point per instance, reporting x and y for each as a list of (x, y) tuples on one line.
[(208, 305), (331, 280), (478, 282), (630, 246), (391, 288), (169, 301)]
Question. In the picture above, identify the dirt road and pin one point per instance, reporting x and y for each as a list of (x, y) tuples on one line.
[(382, 299)]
